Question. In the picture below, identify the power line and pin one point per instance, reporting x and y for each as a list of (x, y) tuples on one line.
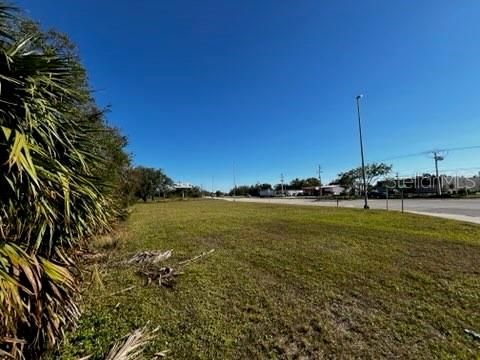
[(431, 151), (463, 148), (471, 170), (463, 169)]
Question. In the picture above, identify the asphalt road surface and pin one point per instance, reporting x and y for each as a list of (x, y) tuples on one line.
[(456, 209)]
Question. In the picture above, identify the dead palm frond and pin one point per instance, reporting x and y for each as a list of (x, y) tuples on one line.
[(36, 299), (149, 257), (96, 279), (132, 346)]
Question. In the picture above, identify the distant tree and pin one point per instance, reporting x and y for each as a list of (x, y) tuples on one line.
[(312, 182), (375, 171), (242, 190), (165, 186), (347, 179), (353, 178), (194, 192), (255, 189), (148, 181), (298, 184), (130, 183)]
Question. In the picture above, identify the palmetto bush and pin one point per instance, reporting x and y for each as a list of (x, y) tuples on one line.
[(51, 196)]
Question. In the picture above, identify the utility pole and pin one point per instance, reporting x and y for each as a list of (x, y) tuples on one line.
[(365, 190), (386, 196), (212, 186), (320, 178), (437, 157), (234, 183), (281, 181)]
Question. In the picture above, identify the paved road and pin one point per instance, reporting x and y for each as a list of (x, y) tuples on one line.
[(457, 209)]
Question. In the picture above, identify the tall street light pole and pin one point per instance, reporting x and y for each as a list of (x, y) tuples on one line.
[(365, 190)]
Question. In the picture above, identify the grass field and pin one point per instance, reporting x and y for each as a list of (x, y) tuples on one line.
[(291, 282)]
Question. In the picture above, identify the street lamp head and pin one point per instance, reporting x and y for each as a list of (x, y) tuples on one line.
[(358, 97)]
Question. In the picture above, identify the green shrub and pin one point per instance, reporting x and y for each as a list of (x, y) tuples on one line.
[(60, 173)]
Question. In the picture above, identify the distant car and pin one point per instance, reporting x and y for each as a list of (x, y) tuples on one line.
[(382, 194)]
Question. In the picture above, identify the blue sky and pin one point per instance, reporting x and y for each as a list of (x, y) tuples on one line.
[(270, 85)]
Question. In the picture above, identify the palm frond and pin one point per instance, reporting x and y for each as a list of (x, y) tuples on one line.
[(53, 193), (131, 347), (35, 295)]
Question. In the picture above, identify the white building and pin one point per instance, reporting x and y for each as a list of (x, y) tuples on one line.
[(332, 189), (294, 192), (181, 185), (267, 193)]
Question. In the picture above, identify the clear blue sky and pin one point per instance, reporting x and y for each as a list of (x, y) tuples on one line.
[(271, 84)]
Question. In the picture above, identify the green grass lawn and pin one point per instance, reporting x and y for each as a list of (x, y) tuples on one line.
[(291, 282)]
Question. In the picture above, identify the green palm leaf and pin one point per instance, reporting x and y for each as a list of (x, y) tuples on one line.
[(55, 191)]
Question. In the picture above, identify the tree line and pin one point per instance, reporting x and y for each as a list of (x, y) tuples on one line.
[(145, 183), (351, 181)]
